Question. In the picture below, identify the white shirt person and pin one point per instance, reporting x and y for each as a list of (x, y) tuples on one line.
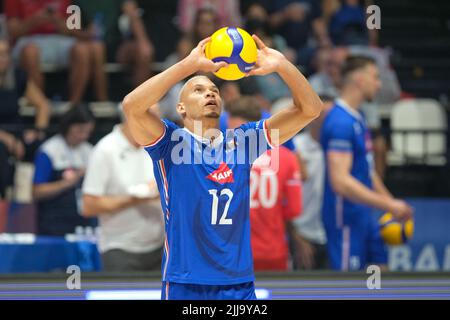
[(120, 189)]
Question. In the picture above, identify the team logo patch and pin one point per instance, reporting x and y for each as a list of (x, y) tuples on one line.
[(222, 175)]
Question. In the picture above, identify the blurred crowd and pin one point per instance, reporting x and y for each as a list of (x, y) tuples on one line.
[(77, 184)]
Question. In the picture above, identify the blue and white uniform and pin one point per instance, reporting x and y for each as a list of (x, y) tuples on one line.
[(61, 213), (204, 190), (352, 232)]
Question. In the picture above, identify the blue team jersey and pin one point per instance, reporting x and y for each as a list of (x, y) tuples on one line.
[(344, 130), (204, 189)]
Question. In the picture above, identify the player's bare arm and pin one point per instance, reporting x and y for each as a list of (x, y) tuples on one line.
[(339, 166), (146, 127), (307, 104), (378, 185)]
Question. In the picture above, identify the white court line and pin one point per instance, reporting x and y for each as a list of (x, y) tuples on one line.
[(154, 294)]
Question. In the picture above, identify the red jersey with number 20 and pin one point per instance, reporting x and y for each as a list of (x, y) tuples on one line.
[(275, 197)]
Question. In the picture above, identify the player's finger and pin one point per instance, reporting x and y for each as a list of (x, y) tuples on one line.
[(255, 72), (203, 43), (259, 42), (221, 64)]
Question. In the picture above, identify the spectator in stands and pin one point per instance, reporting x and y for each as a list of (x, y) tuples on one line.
[(120, 189), (309, 246), (328, 63), (257, 22), (275, 197), (227, 14), (183, 48), (18, 140), (347, 26), (120, 35), (60, 165), (297, 21), (205, 24), (271, 87), (40, 34)]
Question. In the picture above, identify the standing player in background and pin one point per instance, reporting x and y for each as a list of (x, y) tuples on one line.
[(352, 187), (275, 195), (207, 251)]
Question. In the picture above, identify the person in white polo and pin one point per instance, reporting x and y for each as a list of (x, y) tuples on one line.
[(119, 188)]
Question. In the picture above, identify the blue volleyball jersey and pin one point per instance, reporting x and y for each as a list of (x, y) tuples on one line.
[(204, 189), (344, 130)]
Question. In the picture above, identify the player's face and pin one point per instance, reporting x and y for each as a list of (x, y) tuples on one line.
[(371, 81), (202, 99), (206, 24), (79, 133)]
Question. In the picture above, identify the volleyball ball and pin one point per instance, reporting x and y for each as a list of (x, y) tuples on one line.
[(395, 232), (236, 47)]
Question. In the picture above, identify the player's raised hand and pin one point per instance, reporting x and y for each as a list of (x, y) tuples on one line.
[(268, 59), (198, 58)]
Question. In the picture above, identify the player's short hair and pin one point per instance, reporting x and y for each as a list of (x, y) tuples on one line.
[(186, 83), (354, 63), (77, 114), (246, 107)]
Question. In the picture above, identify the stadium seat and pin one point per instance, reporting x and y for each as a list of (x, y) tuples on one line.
[(418, 129)]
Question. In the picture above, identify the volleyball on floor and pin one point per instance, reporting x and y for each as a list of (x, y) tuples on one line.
[(395, 232), (236, 47)]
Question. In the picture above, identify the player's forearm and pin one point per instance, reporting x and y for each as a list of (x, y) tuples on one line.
[(303, 94), (96, 205), (152, 90), (353, 190), (47, 190), (379, 186)]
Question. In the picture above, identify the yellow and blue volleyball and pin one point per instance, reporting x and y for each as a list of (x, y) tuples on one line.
[(395, 232), (236, 47)]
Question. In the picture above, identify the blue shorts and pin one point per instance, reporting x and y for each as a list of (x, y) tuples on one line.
[(356, 244), (183, 291)]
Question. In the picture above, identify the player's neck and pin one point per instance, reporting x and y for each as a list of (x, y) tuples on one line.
[(206, 128), (352, 97)]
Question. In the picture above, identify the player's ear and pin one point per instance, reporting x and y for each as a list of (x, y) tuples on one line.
[(358, 77), (181, 109)]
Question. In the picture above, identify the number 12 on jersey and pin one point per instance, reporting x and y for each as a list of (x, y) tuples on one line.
[(215, 206)]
